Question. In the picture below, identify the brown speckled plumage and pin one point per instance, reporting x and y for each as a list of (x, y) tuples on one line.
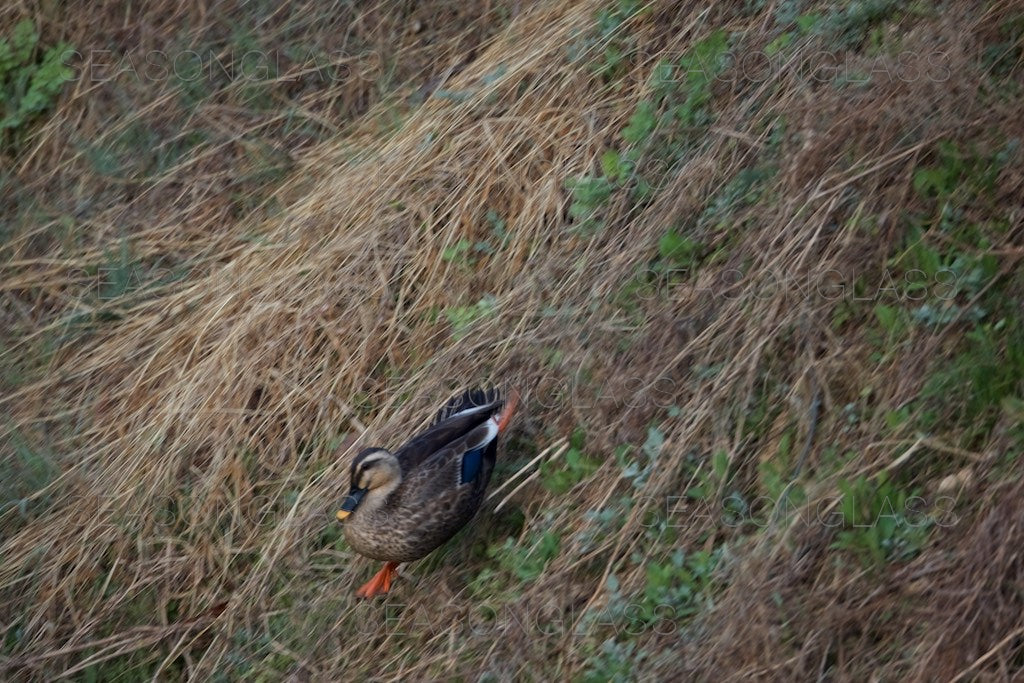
[(430, 502)]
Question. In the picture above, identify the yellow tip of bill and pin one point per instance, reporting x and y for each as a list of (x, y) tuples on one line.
[(342, 514)]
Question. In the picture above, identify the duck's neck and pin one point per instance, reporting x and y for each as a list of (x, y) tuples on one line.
[(376, 499)]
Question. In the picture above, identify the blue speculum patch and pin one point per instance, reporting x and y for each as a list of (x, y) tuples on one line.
[(471, 464)]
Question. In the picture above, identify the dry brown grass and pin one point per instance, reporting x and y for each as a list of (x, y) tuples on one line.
[(201, 431)]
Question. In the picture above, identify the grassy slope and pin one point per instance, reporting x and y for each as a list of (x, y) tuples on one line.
[(764, 312)]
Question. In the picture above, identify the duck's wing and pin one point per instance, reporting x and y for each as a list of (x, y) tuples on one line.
[(457, 420), (464, 462)]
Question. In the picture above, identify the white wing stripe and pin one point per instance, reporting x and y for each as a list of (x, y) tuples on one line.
[(469, 411), (489, 436)]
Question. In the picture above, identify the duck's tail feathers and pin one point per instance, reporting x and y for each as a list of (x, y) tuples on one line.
[(474, 399)]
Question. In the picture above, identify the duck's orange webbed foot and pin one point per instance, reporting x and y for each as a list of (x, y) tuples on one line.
[(380, 583)]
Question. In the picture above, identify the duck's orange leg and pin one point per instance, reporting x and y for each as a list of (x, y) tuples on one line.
[(380, 583)]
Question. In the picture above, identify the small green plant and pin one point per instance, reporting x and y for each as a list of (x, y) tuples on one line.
[(590, 194), (120, 274), (679, 251), (959, 170), (617, 42), (701, 66), (851, 26), (642, 123), (526, 561), (779, 44), (940, 179), (658, 131), (459, 252), (787, 12), (13, 637), (881, 521), (944, 278), (24, 474), (708, 479), (988, 370), (462, 318), (745, 189), (499, 237), (1003, 59), (893, 321), (29, 85), (254, 72), (637, 466), (601, 523), (572, 468), (678, 257), (614, 662), (680, 586), (773, 473), (675, 590)]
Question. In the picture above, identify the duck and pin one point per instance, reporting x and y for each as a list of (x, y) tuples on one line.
[(403, 505)]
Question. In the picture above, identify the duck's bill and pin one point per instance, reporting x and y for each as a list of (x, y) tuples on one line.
[(355, 496)]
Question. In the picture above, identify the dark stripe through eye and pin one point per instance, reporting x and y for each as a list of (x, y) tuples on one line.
[(362, 463)]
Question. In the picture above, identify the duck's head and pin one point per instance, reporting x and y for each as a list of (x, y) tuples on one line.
[(374, 474)]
